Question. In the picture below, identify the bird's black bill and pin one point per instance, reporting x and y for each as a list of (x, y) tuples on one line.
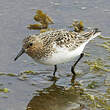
[(19, 54)]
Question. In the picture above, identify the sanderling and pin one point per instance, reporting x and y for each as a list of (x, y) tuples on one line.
[(56, 47)]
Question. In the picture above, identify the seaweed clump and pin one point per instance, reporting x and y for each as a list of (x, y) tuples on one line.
[(78, 26), (4, 90), (43, 19)]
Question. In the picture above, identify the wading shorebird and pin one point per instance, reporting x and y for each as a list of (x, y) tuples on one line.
[(56, 47)]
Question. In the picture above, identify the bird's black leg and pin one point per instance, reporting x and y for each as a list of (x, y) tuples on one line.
[(53, 78), (55, 69), (73, 67)]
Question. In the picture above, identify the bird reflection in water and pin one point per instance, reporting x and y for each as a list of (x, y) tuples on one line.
[(56, 97)]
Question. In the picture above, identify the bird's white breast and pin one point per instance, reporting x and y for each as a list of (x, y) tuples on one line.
[(62, 55)]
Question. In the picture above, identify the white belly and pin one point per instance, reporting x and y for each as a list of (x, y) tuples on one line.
[(62, 55)]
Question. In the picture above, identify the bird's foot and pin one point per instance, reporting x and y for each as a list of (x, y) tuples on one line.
[(73, 80)]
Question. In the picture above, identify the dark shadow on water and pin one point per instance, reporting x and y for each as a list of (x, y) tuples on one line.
[(56, 97)]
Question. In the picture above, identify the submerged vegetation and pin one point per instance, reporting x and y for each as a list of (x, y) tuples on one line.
[(4, 90), (8, 74), (96, 101), (104, 38), (97, 65), (105, 45), (92, 85)]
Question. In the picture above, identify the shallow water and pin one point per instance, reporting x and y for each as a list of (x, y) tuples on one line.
[(28, 93)]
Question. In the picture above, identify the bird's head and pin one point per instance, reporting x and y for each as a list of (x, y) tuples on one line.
[(30, 46)]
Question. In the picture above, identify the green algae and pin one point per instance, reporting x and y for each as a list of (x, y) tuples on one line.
[(94, 99), (98, 101), (107, 47), (36, 26), (87, 54), (1, 73), (97, 65), (4, 96), (11, 74), (107, 43), (29, 72), (8, 74), (103, 38), (25, 75), (92, 85), (4, 90)]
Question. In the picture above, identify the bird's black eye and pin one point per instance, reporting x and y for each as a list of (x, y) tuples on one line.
[(31, 44)]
